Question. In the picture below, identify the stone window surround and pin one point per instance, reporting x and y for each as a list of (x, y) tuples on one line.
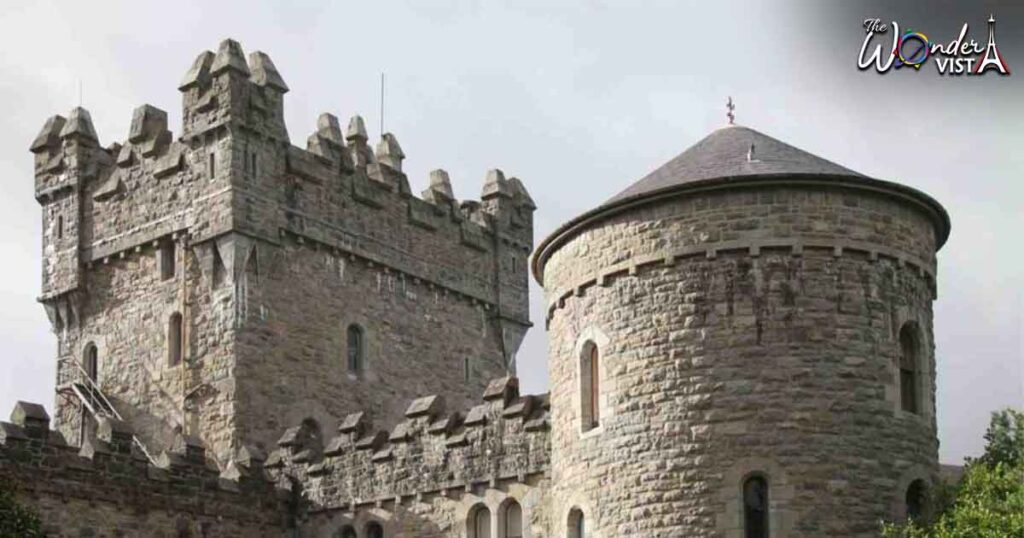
[(360, 360), (901, 318), (85, 340), (780, 493), (898, 505), (592, 335), (361, 519), (572, 522), (497, 502), (166, 259)]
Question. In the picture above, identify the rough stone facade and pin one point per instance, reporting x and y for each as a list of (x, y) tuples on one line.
[(107, 489), (276, 252), (744, 330), (740, 343)]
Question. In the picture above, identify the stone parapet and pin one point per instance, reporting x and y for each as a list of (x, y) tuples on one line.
[(432, 452)]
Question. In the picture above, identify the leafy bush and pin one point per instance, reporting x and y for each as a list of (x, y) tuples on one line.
[(16, 521), (989, 500)]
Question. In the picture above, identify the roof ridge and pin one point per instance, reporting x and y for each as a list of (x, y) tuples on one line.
[(733, 151)]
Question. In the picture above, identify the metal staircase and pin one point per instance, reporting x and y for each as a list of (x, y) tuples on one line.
[(88, 392)]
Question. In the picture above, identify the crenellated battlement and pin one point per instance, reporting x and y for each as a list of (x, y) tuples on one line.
[(433, 450), (107, 483), (234, 170)]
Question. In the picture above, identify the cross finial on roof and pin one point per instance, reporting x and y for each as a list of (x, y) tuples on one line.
[(730, 107)]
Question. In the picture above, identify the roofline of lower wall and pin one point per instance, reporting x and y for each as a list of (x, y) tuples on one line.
[(935, 211)]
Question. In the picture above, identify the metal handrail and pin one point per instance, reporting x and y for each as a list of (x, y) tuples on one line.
[(94, 391)]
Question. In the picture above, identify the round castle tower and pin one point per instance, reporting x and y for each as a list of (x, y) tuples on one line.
[(741, 346)]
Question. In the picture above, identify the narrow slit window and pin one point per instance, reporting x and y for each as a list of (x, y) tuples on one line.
[(513, 520), (356, 349), (253, 162), (60, 226), (466, 370), (590, 387), (909, 370), (213, 165), (91, 362), (175, 339), (167, 261)]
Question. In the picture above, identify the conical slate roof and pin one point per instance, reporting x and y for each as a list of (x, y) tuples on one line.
[(733, 151), (735, 157)]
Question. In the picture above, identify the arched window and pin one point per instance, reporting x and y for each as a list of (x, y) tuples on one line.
[(479, 523), (909, 369), (577, 527), (755, 507), (175, 336), (374, 530), (915, 499), (590, 387), (356, 349), (346, 532), (91, 362), (512, 525)]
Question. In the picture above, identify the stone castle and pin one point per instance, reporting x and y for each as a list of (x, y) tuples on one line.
[(256, 339)]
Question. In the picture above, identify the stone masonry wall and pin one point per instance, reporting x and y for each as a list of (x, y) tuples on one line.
[(739, 333), (276, 248), (428, 475), (108, 489)]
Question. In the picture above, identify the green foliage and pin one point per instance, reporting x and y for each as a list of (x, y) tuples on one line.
[(989, 501), (16, 521), (1005, 439)]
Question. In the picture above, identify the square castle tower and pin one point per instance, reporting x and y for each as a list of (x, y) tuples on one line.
[(225, 284)]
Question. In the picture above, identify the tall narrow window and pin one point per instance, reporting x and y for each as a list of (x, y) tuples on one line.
[(909, 380), (467, 371), (175, 336), (755, 507), (253, 163), (374, 530), (166, 260), (60, 226), (479, 522), (513, 526), (91, 362), (915, 499), (213, 165), (590, 386), (577, 527), (356, 349)]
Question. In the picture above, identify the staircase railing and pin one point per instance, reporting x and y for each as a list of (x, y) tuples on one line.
[(93, 399)]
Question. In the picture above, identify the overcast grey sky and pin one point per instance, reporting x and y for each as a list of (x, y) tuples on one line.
[(579, 100)]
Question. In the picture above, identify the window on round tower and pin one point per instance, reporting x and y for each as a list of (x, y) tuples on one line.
[(374, 530), (755, 507), (590, 387), (909, 370), (915, 499)]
